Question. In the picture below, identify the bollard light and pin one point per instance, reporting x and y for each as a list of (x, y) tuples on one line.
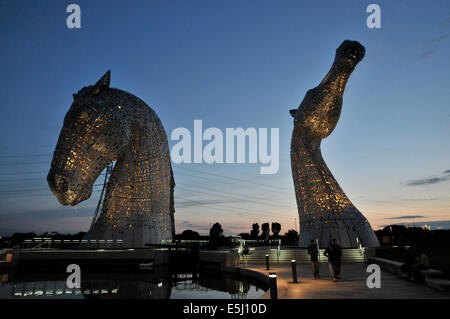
[(267, 262), (273, 285), (294, 270)]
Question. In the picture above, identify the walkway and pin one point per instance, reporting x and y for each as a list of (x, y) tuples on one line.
[(352, 286)]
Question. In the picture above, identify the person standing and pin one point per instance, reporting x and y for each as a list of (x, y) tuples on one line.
[(313, 251), (422, 263), (410, 260), (331, 260), (337, 258)]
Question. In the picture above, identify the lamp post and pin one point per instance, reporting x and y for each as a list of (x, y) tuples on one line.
[(273, 285), (267, 262), (294, 270)]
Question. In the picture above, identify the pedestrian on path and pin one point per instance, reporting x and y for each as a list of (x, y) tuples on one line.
[(422, 263), (338, 258), (331, 261), (410, 260), (313, 251)]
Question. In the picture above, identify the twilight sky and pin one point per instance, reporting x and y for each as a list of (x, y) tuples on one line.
[(234, 64)]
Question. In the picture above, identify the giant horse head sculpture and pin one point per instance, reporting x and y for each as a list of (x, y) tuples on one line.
[(94, 134), (319, 112), (103, 125), (325, 211)]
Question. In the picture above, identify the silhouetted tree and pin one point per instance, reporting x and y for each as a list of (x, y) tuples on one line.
[(265, 231), (291, 236), (244, 235), (255, 230), (276, 228), (216, 234), (190, 234), (216, 231), (18, 238)]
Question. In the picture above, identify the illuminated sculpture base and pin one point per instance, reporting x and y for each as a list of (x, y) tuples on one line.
[(350, 232)]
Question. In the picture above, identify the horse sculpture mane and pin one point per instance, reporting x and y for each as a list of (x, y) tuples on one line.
[(104, 125), (325, 212)]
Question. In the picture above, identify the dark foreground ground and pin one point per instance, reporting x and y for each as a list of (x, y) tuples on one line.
[(352, 286)]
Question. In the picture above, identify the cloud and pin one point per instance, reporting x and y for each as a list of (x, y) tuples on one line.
[(40, 221), (427, 181), (186, 224), (445, 23), (433, 45), (407, 217), (439, 39), (200, 202), (440, 224), (425, 55), (430, 180), (228, 229)]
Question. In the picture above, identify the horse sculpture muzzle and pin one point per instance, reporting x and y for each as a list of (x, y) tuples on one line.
[(62, 188)]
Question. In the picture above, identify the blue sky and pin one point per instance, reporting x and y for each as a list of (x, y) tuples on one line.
[(234, 64)]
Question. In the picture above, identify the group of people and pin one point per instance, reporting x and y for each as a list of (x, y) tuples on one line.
[(415, 261), (334, 254)]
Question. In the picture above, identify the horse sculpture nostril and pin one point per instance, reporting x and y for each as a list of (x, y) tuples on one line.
[(60, 183), (352, 50)]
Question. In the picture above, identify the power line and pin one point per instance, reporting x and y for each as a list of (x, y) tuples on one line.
[(232, 178), (194, 188), (234, 207), (176, 167), (31, 155), (261, 198), (242, 210), (236, 196), (31, 189), (180, 173), (25, 163), (22, 173), (256, 199)]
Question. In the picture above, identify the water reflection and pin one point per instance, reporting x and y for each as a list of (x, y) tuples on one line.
[(148, 284)]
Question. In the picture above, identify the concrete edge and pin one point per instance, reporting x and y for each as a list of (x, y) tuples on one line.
[(438, 283), (395, 268), (257, 276)]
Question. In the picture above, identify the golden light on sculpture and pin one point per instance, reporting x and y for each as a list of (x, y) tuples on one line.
[(104, 125), (325, 212)]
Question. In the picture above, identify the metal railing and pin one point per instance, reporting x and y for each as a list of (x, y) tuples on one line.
[(41, 243)]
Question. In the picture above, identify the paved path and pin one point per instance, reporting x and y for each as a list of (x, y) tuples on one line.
[(352, 285)]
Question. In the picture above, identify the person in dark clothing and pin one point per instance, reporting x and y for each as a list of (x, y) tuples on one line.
[(422, 263), (313, 251), (329, 252), (410, 260), (338, 258)]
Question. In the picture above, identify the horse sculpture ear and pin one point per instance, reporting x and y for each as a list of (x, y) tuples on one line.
[(292, 112), (102, 84)]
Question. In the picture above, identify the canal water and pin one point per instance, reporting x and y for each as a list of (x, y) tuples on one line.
[(136, 284)]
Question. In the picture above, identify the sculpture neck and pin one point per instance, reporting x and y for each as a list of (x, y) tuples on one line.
[(138, 204), (129, 185), (313, 179), (140, 180), (335, 80)]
